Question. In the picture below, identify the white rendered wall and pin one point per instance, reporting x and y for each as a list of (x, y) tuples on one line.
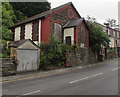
[(39, 31), (119, 14), (17, 34), (69, 32), (119, 18), (112, 42), (28, 31)]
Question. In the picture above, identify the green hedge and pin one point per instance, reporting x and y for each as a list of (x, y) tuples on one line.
[(52, 54)]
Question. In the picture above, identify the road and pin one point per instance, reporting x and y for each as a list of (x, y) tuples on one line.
[(97, 80)]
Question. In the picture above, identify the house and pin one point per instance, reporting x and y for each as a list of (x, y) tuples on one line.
[(26, 54), (119, 15), (114, 36), (63, 21)]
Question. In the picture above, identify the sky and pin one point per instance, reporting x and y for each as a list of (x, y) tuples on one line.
[(100, 9)]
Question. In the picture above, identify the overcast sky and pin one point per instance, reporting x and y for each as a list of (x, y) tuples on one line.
[(100, 9)]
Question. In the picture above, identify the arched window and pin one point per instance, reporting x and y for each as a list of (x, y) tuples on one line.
[(58, 30)]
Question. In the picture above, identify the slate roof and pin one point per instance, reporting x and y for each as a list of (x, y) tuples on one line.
[(73, 23), (43, 14), (20, 42)]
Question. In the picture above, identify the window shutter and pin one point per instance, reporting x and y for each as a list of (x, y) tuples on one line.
[(22, 32), (35, 30)]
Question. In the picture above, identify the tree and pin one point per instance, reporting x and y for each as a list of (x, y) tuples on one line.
[(7, 20), (52, 54), (98, 38), (111, 22), (28, 9)]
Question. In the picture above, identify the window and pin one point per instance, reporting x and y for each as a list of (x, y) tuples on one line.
[(104, 29), (117, 34), (81, 35), (13, 35), (108, 31), (68, 40), (70, 13), (58, 30), (35, 30), (22, 32), (114, 33)]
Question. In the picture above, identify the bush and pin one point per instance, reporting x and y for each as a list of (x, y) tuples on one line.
[(53, 54), (5, 50)]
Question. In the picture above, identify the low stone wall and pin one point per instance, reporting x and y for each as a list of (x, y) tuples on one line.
[(81, 56), (112, 54), (93, 57), (7, 66), (118, 50)]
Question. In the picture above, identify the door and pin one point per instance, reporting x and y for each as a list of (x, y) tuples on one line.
[(27, 60), (68, 40)]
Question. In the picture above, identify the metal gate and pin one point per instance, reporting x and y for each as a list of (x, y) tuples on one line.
[(28, 60)]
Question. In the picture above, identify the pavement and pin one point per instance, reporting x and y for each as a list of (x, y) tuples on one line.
[(95, 79), (37, 74)]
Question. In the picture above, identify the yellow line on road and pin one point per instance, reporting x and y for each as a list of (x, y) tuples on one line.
[(23, 78), (18, 79)]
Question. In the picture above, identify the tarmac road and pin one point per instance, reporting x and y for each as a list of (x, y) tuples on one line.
[(97, 80)]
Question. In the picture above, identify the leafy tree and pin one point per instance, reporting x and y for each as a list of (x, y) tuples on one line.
[(7, 20), (28, 9), (111, 22), (98, 38)]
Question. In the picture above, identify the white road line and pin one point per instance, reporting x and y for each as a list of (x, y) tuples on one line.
[(85, 78), (32, 92), (114, 69), (80, 67)]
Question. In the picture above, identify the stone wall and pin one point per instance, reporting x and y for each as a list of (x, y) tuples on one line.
[(112, 55), (118, 50), (93, 57), (7, 66), (82, 56), (62, 17)]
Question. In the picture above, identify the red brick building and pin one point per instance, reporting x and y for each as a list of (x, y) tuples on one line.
[(64, 21)]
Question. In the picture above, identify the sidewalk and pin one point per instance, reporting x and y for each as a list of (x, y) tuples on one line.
[(36, 74)]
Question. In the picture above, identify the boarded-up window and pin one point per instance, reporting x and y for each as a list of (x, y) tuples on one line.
[(68, 40), (58, 30), (35, 30), (81, 35), (22, 32), (13, 34)]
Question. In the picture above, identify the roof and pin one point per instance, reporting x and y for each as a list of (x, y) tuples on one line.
[(73, 23), (108, 27), (43, 14), (20, 42)]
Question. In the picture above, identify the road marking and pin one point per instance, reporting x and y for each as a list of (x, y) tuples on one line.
[(80, 67), (19, 79), (25, 78), (32, 92), (85, 78), (114, 69)]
